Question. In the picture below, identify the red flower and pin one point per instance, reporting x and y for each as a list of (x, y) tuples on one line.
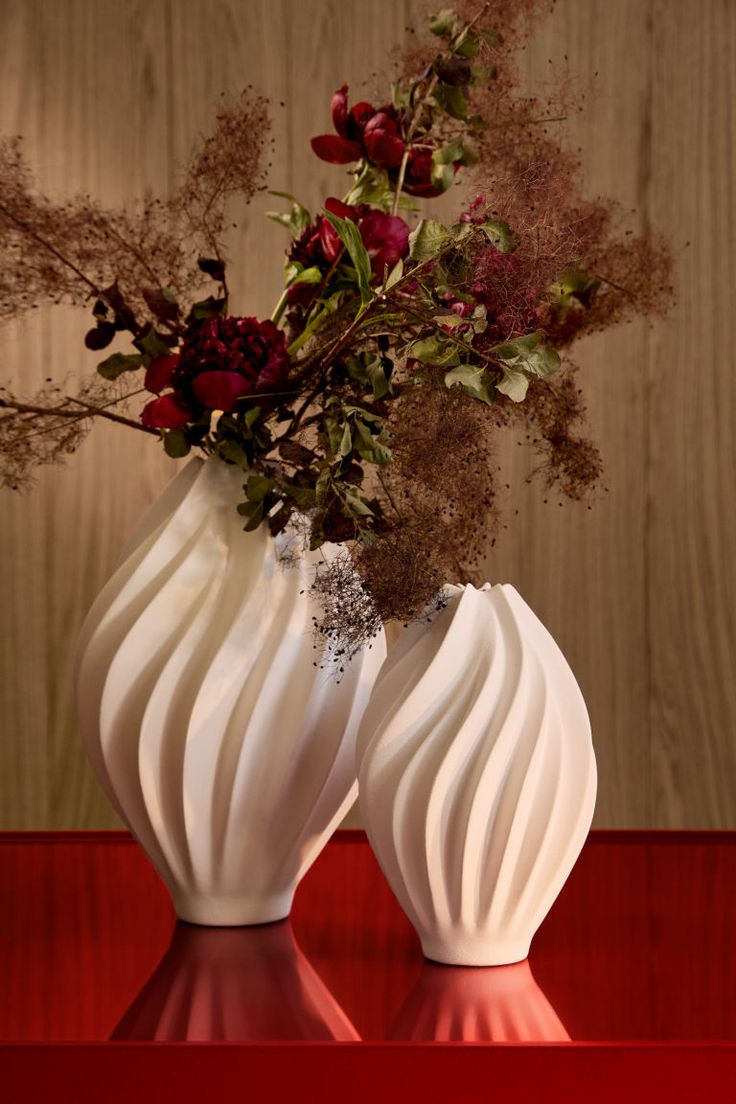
[(382, 141), (362, 131), (217, 390), (386, 238), (220, 361), (225, 358), (165, 413), (418, 175), (158, 373)]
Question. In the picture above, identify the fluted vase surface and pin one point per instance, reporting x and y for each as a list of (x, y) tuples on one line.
[(217, 731), (477, 775)]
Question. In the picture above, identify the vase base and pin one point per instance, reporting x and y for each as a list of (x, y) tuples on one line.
[(232, 912), (475, 952)]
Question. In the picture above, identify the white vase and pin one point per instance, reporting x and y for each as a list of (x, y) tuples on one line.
[(477, 775), (211, 726)]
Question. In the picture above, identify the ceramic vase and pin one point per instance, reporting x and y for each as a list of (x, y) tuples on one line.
[(224, 740), (477, 775)]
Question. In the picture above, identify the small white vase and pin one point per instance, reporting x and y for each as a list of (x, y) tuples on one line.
[(216, 734), (477, 775)]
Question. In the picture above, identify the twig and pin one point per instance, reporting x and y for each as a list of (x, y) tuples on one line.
[(90, 411)]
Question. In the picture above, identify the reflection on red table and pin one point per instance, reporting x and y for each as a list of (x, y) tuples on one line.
[(639, 946)]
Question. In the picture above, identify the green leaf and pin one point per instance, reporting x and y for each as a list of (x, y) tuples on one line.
[(441, 174), (379, 381), (427, 240), (295, 273), (257, 487), (305, 497), (399, 98), (298, 218), (208, 308), (514, 384), (529, 354), (500, 234), (466, 44), (394, 275), (176, 444), (369, 447), (574, 283), (444, 24), (234, 452), (255, 512), (114, 365), (435, 350), (518, 347), (478, 319), (151, 344), (355, 505), (474, 381), (452, 100), (373, 187), (346, 442), (349, 235)]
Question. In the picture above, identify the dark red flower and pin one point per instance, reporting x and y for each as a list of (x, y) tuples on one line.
[(336, 150), (165, 413), (386, 238), (361, 131), (225, 358), (350, 123), (217, 390), (320, 243), (382, 141), (418, 175), (158, 373)]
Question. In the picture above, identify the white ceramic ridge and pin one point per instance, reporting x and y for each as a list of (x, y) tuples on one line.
[(477, 775), (219, 740)]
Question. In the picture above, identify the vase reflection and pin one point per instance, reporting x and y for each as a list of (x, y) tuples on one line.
[(497, 1004), (250, 983)]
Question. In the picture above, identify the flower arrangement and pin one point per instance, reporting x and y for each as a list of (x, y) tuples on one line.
[(368, 406)]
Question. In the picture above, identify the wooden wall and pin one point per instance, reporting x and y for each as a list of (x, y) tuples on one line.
[(640, 591)]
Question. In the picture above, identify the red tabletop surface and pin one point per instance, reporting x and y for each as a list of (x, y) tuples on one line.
[(636, 958)]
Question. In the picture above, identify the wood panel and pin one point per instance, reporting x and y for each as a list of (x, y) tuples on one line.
[(691, 519), (583, 570), (639, 591)]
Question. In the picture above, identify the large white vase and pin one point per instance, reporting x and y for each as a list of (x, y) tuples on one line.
[(219, 738), (477, 775)]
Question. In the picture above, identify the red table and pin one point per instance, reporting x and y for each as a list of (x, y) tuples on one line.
[(629, 992)]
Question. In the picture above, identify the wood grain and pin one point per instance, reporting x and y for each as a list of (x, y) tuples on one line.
[(691, 460), (639, 591)]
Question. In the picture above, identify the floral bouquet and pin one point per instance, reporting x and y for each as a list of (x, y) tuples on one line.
[(366, 409)]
